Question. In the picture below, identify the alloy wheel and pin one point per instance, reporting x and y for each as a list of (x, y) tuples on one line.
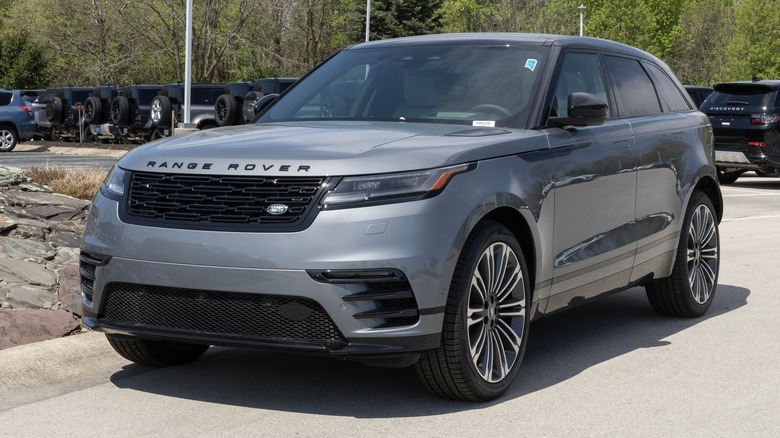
[(702, 254), (496, 312)]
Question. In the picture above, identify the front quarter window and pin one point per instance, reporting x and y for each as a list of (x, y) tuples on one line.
[(474, 85)]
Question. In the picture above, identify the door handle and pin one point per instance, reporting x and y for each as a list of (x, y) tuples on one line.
[(621, 144)]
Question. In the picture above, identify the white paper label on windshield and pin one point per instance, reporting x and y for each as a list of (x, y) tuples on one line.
[(530, 64), (488, 123)]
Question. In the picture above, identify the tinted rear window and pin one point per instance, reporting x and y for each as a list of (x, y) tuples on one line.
[(5, 98), (742, 96)]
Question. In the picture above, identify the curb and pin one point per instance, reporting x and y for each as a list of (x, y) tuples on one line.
[(70, 150)]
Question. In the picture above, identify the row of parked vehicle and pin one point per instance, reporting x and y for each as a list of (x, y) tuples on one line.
[(144, 112)]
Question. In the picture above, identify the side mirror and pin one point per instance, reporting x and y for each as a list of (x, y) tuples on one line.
[(584, 109), (255, 103)]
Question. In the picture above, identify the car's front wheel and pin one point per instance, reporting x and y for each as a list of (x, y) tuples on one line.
[(690, 289), (8, 139), (486, 321), (156, 353)]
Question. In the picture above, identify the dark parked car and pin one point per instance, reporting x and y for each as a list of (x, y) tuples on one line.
[(228, 107), (745, 117), (413, 202), (264, 87), (698, 94), (170, 101), (97, 113), (64, 113), (130, 121), (16, 120)]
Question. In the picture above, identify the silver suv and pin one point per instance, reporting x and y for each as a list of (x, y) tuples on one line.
[(413, 202)]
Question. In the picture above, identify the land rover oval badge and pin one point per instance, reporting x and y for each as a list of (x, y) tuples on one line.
[(276, 209)]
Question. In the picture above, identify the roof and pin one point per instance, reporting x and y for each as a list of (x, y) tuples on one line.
[(497, 38), (767, 84)]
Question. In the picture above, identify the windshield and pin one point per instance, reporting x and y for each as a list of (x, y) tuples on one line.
[(475, 85)]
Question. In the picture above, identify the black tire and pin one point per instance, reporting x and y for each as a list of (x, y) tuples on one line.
[(728, 176), (466, 366), (765, 174), (160, 111), (689, 291), (54, 110), (156, 353), (226, 110), (8, 138), (93, 113), (120, 111)]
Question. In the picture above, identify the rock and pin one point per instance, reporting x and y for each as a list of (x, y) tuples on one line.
[(10, 176), (19, 327), (70, 289), (24, 199), (64, 240), (25, 249), (21, 272), (40, 235), (31, 296), (65, 256)]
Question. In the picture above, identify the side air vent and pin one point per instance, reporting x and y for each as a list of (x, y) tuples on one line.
[(384, 296)]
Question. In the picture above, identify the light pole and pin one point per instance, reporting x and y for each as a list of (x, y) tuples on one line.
[(582, 11), (188, 64), (368, 16)]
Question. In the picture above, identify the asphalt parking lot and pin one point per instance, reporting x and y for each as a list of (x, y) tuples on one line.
[(608, 368)]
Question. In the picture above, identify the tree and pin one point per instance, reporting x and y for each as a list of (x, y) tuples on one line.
[(753, 51), (30, 66), (699, 55), (398, 18)]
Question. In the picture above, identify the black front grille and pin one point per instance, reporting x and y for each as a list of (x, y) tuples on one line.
[(222, 202), (228, 315)]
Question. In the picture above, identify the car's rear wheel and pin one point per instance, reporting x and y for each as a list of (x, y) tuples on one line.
[(54, 110), (690, 289), (8, 139), (93, 111), (156, 353), (120, 111), (728, 176), (160, 112), (486, 321), (226, 110)]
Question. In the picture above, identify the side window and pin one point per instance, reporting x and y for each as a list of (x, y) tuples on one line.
[(670, 93), (579, 72), (5, 98), (634, 92)]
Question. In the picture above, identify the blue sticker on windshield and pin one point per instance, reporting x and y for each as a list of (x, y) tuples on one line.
[(530, 64)]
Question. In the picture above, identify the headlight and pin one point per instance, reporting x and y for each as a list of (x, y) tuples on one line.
[(114, 184), (356, 191)]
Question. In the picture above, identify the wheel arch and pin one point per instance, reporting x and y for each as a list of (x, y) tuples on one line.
[(517, 224), (10, 126), (709, 186)]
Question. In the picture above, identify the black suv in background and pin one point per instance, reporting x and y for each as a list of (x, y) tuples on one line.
[(130, 113), (63, 114), (745, 118), (264, 87), (97, 113), (171, 99), (228, 108), (698, 94)]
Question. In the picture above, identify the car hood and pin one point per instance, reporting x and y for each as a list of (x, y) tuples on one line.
[(329, 148)]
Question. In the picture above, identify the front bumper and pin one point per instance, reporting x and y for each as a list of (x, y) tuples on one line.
[(416, 240)]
